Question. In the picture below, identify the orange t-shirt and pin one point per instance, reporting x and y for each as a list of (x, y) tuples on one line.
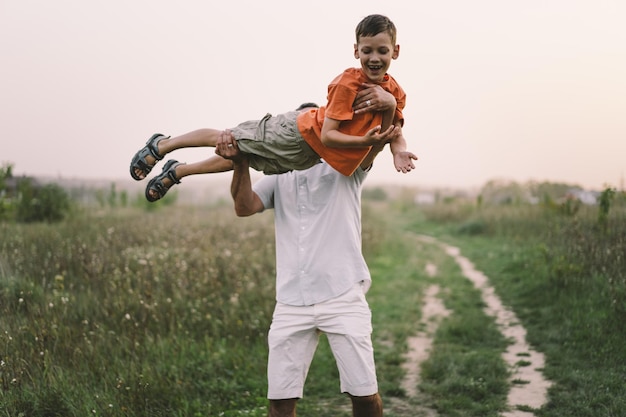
[(342, 92)]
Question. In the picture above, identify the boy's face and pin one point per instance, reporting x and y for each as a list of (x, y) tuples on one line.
[(375, 54)]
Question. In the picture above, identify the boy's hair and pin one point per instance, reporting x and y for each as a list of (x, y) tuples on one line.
[(374, 24)]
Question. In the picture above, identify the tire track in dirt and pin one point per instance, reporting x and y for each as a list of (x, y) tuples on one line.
[(420, 345), (528, 386)]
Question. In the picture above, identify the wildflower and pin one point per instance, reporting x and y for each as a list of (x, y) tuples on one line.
[(234, 298)]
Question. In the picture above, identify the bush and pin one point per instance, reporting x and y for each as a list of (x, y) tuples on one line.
[(49, 203)]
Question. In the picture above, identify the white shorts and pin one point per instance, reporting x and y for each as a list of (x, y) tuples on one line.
[(347, 322)]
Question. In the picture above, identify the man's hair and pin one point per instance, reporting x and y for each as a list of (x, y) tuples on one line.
[(374, 24), (306, 105)]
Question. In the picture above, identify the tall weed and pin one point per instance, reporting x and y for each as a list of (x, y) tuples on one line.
[(135, 314)]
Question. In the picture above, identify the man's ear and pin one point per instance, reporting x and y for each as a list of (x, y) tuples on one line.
[(356, 51), (396, 52)]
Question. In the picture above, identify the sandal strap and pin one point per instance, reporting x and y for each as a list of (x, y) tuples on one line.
[(139, 161), (157, 185), (153, 145), (171, 173)]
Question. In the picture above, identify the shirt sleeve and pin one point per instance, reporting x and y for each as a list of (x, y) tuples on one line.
[(264, 188), (400, 96), (340, 99)]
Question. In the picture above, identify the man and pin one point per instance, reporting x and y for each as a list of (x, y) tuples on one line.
[(321, 278)]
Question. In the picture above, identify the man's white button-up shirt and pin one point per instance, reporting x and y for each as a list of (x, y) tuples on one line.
[(318, 233)]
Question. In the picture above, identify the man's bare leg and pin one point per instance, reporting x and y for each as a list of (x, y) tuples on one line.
[(368, 406), (283, 408)]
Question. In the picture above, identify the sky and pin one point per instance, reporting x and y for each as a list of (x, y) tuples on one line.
[(530, 90)]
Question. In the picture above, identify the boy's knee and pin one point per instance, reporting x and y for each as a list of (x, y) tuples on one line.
[(367, 406)]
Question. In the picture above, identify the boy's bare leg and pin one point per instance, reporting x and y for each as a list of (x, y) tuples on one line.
[(368, 406), (196, 138), (212, 165), (283, 408), (193, 139)]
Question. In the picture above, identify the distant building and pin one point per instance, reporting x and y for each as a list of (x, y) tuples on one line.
[(425, 198), (586, 197)]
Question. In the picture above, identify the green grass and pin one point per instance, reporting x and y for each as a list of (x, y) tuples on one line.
[(565, 277), (136, 314), (165, 313)]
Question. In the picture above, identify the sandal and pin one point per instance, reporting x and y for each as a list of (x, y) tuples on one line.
[(156, 184), (139, 161)]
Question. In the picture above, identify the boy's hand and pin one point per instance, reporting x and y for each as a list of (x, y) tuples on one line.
[(375, 137), (403, 161), (373, 98)]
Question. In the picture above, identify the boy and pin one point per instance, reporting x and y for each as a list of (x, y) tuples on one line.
[(342, 132)]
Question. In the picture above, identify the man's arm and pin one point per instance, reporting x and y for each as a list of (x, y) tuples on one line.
[(247, 202), (368, 161), (373, 98)]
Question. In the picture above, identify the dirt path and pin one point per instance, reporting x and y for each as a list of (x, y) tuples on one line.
[(420, 345), (528, 386)]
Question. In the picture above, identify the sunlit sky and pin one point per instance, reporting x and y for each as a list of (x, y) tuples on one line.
[(496, 89)]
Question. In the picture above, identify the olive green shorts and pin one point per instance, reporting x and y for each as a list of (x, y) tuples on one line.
[(274, 144)]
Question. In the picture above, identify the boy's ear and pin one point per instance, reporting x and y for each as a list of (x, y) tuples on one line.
[(396, 52), (356, 51)]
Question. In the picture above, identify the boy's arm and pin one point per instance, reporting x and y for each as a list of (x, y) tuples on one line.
[(372, 98), (332, 137), (369, 158), (402, 159)]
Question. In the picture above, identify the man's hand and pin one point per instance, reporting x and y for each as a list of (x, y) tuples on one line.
[(373, 98), (226, 147), (403, 161)]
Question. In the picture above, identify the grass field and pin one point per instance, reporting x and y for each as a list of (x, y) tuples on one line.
[(165, 313)]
